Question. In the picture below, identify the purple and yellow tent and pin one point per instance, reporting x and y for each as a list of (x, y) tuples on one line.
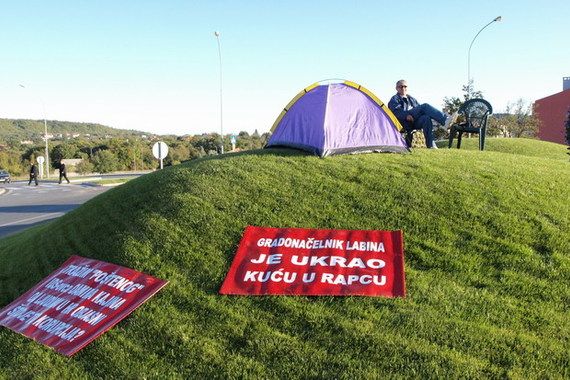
[(337, 118)]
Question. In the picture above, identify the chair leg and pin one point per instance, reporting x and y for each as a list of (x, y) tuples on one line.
[(482, 134), (459, 140)]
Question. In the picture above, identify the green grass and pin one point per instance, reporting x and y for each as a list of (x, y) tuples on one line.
[(111, 181), (525, 147), (487, 246)]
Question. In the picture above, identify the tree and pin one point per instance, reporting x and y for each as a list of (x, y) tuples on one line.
[(10, 160), (31, 153), (104, 161), (470, 92), (136, 148), (496, 125), (519, 120), (148, 159), (253, 141), (210, 142), (194, 152), (64, 150), (84, 167), (122, 151), (177, 152), (452, 104)]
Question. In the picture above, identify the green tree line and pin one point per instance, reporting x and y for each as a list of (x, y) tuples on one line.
[(119, 153), (13, 131), (518, 120)]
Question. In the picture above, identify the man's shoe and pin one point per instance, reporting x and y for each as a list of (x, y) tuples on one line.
[(450, 120)]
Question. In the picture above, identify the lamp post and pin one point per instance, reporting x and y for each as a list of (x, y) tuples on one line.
[(217, 34), (498, 18), (45, 135)]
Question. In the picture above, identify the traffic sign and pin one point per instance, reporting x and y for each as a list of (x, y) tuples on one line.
[(160, 150)]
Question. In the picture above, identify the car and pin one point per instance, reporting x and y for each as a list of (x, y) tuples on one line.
[(4, 176)]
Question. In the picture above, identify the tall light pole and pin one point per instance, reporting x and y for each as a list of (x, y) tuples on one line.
[(217, 34), (45, 135), (498, 18)]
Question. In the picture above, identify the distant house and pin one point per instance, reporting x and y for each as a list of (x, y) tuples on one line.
[(552, 112), (71, 163)]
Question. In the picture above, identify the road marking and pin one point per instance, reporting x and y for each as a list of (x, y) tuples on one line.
[(33, 218)]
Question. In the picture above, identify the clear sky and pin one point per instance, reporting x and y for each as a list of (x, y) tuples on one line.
[(153, 65)]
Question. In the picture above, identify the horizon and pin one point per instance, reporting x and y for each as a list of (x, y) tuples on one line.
[(155, 67)]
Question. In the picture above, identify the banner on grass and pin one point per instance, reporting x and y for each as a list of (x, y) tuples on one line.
[(78, 302), (297, 261)]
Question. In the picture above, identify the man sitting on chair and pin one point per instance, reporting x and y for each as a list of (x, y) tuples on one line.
[(413, 116)]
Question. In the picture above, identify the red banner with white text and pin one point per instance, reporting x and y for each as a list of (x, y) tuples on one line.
[(297, 261), (78, 302)]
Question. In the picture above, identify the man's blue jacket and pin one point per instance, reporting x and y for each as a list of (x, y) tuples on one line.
[(397, 106)]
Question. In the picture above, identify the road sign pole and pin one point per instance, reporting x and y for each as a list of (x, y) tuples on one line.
[(40, 160)]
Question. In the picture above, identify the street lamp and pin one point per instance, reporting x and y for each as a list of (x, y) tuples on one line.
[(498, 18), (217, 34), (45, 135)]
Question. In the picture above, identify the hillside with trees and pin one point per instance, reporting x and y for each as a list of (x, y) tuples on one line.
[(104, 149), (17, 130)]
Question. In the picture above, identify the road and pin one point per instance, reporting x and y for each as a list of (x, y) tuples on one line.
[(23, 206)]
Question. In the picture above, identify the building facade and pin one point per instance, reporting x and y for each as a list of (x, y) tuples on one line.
[(552, 113)]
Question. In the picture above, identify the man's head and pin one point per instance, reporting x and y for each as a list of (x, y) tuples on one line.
[(402, 87)]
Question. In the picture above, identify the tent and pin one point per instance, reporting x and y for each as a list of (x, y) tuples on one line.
[(337, 118)]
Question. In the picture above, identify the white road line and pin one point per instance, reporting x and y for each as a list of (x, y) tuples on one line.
[(45, 216)]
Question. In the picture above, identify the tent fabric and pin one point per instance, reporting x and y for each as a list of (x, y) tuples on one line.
[(337, 118)]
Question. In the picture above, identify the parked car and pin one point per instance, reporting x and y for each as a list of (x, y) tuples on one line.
[(4, 176)]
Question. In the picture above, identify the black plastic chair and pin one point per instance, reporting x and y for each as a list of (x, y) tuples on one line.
[(475, 113)]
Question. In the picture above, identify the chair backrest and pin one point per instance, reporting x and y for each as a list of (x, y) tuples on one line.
[(476, 112)]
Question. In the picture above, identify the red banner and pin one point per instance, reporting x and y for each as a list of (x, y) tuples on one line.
[(296, 261), (78, 302)]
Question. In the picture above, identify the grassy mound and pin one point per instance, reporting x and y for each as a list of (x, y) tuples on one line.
[(525, 147), (487, 242)]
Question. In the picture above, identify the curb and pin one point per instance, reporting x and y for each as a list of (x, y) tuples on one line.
[(84, 179)]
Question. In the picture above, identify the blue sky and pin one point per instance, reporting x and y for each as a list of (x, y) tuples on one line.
[(153, 65)]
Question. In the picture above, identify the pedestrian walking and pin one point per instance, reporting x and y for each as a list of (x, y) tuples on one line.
[(33, 174), (62, 172)]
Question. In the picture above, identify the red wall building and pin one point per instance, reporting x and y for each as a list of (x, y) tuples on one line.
[(552, 112)]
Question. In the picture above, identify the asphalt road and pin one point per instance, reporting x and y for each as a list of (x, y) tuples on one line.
[(23, 206)]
